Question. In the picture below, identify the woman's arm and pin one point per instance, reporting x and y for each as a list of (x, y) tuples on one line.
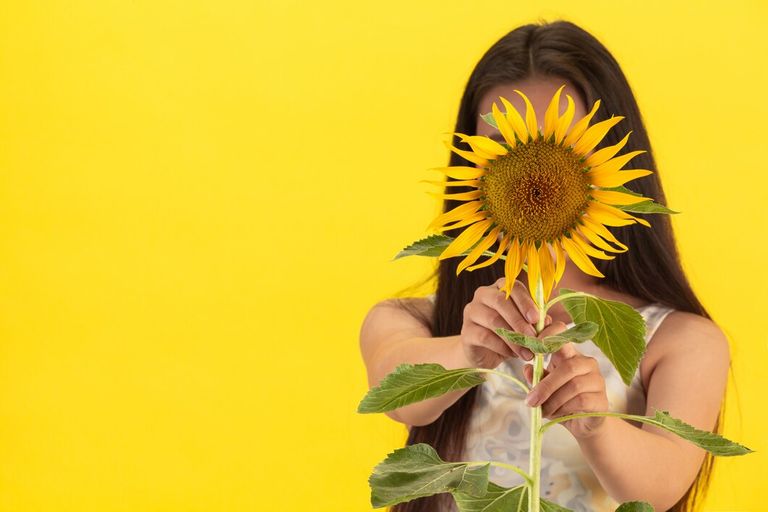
[(391, 336), (688, 380)]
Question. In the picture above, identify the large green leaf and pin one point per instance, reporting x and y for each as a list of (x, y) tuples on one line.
[(497, 499), (621, 334), (635, 506), (417, 471), (410, 383), (579, 333), (710, 441)]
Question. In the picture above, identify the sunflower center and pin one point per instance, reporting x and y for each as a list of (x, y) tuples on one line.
[(537, 191)]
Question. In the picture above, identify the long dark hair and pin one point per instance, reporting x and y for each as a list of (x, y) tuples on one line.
[(650, 269)]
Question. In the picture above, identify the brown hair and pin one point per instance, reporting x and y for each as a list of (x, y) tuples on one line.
[(650, 270)]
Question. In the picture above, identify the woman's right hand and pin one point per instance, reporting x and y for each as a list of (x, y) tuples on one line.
[(490, 309)]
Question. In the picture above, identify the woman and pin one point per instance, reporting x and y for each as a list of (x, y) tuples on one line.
[(593, 463)]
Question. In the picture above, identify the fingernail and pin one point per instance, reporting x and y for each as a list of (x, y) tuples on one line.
[(531, 316), (530, 400)]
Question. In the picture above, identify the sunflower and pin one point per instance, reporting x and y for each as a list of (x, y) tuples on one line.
[(539, 194)]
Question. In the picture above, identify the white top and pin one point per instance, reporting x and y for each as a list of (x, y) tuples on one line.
[(499, 428)]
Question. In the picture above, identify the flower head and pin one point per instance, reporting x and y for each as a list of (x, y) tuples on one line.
[(540, 194)]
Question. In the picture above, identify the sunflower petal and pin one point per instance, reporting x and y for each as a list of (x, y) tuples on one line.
[(534, 270), (461, 172), (490, 261), (484, 145), (581, 125), (504, 127), (513, 264), (614, 164), (465, 240), (478, 251), (459, 196), (565, 121), (482, 214), (560, 265), (468, 155), (579, 258), (603, 155), (603, 232), (552, 114), (595, 239), (614, 197), (547, 268), (454, 183), (515, 120), (618, 178), (589, 250), (475, 149), (530, 116), (607, 214), (460, 212), (594, 135)]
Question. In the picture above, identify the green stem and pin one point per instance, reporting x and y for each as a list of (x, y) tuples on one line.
[(506, 376), (514, 468), (565, 296), (641, 419), (534, 464)]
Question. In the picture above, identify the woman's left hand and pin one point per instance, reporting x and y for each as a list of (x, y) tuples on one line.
[(571, 383)]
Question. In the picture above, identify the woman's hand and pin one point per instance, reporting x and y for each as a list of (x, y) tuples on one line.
[(490, 309), (571, 383)]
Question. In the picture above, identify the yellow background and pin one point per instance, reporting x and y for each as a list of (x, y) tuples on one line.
[(200, 200)]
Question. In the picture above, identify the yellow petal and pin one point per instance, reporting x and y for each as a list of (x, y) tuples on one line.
[(453, 183), (592, 237), (461, 172), (515, 121), (560, 265), (479, 152), (460, 212), (534, 270), (565, 121), (614, 197), (465, 240), (513, 265), (618, 177), (468, 155), (603, 232), (484, 145), (490, 261), (603, 155), (580, 126), (607, 214), (589, 250), (614, 164), (579, 258), (552, 114), (594, 135), (504, 127), (478, 251), (460, 196), (483, 214), (547, 269), (530, 117)]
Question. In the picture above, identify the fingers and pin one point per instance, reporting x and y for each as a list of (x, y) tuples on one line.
[(524, 302), (567, 351), (558, 376), (506, 308), (591, 401), (552, 328), (480, 322), (571, 391)]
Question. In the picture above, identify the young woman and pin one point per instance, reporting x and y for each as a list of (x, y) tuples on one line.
[(592, 464)]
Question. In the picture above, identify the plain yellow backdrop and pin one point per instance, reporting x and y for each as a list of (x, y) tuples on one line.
[(200, 201)]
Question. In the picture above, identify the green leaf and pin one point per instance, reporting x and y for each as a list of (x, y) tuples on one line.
[(548, 506), (621, 334), (635, 506), (579, 333), (497, 499), (623, 189), (433, 245), (645, 207), (488, 118), (410, 383), (710, 441), (417, 471)]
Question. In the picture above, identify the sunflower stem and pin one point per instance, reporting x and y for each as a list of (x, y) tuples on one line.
[(534, 466)]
